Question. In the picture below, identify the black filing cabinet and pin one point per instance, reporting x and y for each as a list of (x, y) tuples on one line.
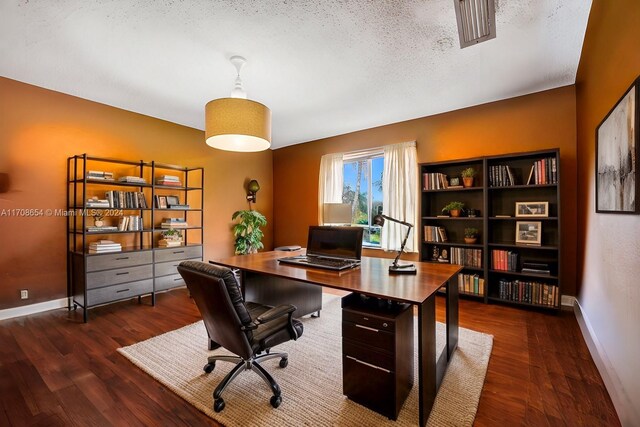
[(377, 352)]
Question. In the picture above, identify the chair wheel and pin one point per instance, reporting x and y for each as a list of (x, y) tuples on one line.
[(208, 368), (218, 405), (284, 362), (276, 401)]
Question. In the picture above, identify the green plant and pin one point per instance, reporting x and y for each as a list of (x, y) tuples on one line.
[(468, 173), (453, 206), (247, 232), (172, 234), (471, 232)]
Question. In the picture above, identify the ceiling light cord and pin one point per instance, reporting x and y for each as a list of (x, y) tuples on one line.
[(238, 90)]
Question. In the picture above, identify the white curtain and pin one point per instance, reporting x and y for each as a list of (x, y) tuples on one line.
[(330, 184), (399, 195)]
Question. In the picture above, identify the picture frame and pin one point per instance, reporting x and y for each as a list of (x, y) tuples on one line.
[(173, 200), (532, 209), (162, 202), (617, 154), (529, 232)]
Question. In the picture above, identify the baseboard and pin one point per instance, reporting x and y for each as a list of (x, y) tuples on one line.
[(568, 300), (26, 310), (625, 409)]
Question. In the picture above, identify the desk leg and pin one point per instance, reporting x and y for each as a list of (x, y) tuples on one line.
[(427, 371), (452, 319)]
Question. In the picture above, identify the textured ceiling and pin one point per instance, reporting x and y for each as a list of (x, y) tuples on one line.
[(323, 67)]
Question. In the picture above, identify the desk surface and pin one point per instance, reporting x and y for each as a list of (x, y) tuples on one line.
[(371, 278)]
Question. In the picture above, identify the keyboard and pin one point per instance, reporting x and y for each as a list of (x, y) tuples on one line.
[(326, 263)]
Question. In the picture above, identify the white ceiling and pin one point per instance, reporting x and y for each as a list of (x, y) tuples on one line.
[(324, 67)]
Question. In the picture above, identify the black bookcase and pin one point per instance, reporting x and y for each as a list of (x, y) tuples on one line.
[(516, 258)]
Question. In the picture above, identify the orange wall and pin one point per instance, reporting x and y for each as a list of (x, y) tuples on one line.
[(533, 122), (609, 244), (40, 128)]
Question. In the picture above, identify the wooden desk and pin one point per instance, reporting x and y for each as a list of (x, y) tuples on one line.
[(373, 279)]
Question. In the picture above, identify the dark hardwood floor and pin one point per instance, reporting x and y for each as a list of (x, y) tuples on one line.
[(55, 370)]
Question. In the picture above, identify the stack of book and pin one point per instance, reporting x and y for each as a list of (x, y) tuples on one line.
[(536, 267), (466, 257), (470, 284), (171, 180), (501, 176), (126, 199), (132, 179), (100, 175), (435, 181), (434, 234), (528, 292), (174, 223), (130, 223), (544, 171), (504, 260), (94, 202), (102, 246), (102, 229), (169, 243)]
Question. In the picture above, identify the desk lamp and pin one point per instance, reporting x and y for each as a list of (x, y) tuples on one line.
[(396, 268)]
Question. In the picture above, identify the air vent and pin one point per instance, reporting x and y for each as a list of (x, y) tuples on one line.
[(476, 21)]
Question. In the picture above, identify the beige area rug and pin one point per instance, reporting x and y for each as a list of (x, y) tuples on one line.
[(312, 382)]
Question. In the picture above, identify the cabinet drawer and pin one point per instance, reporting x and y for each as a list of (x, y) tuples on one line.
[(369, 386), (167, 268), (368, 354), (365, 319), (179, 253), (371, 336), (118, 260), (99, 279), (116, 292), (168, 282)]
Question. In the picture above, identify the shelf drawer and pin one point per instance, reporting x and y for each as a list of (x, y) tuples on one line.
[(168, 282), (118, 260), (369, 385), (373, 337), (368, 354), (369, 320), (179, 253), (117, 292), (171, 267), (99, 279)]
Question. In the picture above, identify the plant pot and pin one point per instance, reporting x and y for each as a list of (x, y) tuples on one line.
[(454, 212), (470, 240), (467, 181)]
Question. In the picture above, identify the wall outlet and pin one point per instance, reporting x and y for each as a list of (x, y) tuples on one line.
[(24, 293)]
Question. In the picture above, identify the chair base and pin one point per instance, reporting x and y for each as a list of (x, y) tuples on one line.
[(252, 364)]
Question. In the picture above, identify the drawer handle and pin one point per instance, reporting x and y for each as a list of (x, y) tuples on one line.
[(122, 290), (367, 328), (368, 364), (179, 278), (121, 258), (178, 252), (122, 274)]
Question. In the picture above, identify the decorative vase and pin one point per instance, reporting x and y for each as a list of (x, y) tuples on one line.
[(454, 181), (454, 212), (98, 223), (470, 240), (467, 181)]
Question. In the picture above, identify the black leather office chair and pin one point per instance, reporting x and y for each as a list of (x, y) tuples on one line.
[(248, 330)]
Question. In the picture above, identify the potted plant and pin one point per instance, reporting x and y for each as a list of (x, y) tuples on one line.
[(170, 238), (467, 176), (247, 232), (453, 208), (470, 235)]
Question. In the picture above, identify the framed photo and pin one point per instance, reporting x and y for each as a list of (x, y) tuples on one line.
[(617, 142), (529, 232), (532, 209), (162, 202), (173, 200)]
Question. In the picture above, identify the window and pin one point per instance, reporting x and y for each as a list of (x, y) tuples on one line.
[(362, 189)]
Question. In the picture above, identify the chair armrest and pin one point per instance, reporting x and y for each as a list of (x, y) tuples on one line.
[(276, 312)]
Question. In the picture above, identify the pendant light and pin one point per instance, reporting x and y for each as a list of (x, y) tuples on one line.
[(237, 123)]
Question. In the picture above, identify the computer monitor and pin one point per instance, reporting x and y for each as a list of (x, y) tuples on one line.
[(335, 242)]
